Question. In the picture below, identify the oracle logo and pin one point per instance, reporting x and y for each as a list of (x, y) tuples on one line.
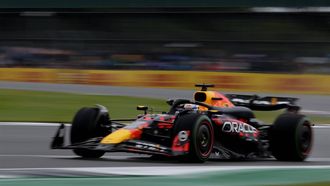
[(237, 127)]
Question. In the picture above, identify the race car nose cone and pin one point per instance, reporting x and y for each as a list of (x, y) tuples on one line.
[(117, 137)]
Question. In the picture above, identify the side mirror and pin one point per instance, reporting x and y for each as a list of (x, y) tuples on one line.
[(142, 107)]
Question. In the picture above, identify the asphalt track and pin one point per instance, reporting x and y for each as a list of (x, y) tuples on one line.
[(27, 146)]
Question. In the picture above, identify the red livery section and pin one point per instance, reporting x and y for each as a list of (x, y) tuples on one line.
[(181, 143)]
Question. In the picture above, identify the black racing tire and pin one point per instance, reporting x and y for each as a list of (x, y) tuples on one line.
[(201, 136), (86, 125), (291, 137)]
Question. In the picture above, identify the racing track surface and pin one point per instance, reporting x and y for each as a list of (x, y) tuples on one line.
[(24, 146)]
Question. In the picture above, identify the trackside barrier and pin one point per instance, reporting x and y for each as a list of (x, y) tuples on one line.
[(226, 81)]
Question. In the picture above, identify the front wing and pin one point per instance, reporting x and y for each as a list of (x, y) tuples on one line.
[(136, 146)]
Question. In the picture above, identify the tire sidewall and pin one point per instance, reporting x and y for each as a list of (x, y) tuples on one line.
[(202, 120), (192, 122), (303, 122), (86, 125), (285, 138)]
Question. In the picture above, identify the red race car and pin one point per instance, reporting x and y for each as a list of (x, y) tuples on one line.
[(212, 125)]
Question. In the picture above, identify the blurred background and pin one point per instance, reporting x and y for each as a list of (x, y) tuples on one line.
[(292, 37), (237, 45)]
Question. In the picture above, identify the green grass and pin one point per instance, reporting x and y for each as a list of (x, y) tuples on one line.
[(270, 116), (48, 106), (21, 105)]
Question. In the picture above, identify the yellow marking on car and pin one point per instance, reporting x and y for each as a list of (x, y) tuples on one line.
[(117, 136)]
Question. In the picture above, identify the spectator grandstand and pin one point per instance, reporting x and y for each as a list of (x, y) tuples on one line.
[(187, 38)]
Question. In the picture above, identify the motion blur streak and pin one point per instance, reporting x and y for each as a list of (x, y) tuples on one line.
[(242, 82)]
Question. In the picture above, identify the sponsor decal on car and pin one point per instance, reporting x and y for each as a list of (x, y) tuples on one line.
[(238, 127), (149, 146)]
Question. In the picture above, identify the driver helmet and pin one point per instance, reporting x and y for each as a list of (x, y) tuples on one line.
[(190, 106)]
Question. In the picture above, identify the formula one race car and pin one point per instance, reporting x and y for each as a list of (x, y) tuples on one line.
[(212, 125)]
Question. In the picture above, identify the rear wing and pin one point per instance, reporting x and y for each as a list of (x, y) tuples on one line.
[(267, 103)]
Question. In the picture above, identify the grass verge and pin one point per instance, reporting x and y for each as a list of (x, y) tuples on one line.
[(22, 105), (49, 106)]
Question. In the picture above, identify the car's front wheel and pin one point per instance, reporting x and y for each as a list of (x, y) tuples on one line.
[(201, 137), (87, 124)]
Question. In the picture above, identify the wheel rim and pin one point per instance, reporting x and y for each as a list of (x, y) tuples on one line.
[(305, 139), (204, 139)]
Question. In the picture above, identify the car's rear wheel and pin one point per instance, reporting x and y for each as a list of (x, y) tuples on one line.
[(201, 137), (291, 137), (87, 124)]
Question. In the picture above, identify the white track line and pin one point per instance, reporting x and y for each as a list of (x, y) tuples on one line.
[(113, 156), (322, 126), (316, 112), (8, 177), (38, 155), (161, 171), (32, 124), (318, 159)]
